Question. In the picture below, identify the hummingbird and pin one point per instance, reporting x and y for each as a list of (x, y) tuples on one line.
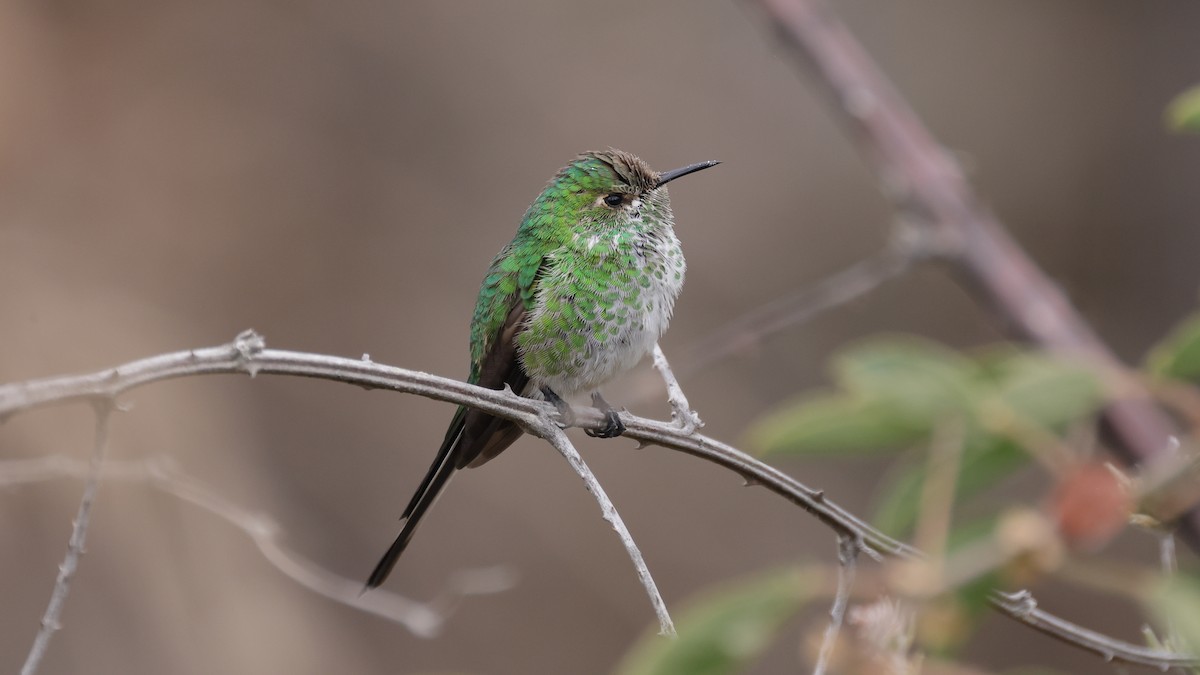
[(580, 295)]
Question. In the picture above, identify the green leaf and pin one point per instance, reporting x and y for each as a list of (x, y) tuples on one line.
[(725, 629), (1047, 391), (1178, 356), (835, 425), (1183, 113), (922, 379), (1176, 603), (985, 462)]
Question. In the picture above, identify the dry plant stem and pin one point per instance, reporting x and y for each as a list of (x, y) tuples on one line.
[(423, 620), (1166, 553), (75, 546), (848, 550), (687, 419), (248, 355), (928, 186), (1022, 606), (750, 329), (937, 493), (1170, 567), (556, 437)]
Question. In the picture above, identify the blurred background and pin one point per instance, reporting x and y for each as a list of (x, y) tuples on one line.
[(337, 176)]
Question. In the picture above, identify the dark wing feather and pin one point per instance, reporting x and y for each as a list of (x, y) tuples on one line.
[(473, 437), (485, 436)]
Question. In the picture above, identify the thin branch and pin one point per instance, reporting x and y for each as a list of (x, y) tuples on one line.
[(422, 619), (750, 329), (556, 437), (1022, 606), (927, 186), (1166, 553), (937, 493), (248, 355), (687, 419), (848, 550), (75, 545)]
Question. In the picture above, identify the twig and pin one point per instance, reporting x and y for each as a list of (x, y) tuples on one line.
[(66, 571), (550, 431), (687, 419), (937, 494), (1166, 553), (927, 186), (423, 620), (751, 328), (848, 550), (1022, 606), (248, 355), (1170, 569)]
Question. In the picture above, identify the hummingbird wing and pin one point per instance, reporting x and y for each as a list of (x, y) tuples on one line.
[(485, 436), (473, 437)]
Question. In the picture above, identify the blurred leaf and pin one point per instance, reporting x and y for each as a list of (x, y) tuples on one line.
[(834, 425), (923, 380), (1046, 391), (896, 389), (1176, 603), (984, 463), (1178, 356), (724, 630), (1183, 113)]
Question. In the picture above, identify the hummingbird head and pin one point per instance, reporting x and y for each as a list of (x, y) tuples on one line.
[(610, 189)]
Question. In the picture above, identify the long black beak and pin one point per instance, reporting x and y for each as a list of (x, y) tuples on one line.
[(667, 177)]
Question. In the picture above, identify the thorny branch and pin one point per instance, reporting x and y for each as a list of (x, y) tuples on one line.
[(423, 619), (556, 437), (687, 419), (1022, 606), (75, 546), (248, 355), (927, 186)]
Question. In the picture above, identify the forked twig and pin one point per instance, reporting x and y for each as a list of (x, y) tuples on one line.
[(248, 355), (927, 186), (687, 419)]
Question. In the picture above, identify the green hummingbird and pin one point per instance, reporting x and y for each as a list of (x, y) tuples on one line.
[(582, 292)]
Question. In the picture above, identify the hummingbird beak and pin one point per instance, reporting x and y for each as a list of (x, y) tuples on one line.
[(668, 176)]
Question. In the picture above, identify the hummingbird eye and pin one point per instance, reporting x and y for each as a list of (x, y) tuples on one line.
[(614, 199)]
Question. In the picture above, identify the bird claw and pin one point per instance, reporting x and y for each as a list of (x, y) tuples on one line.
[(566, 415), (613, 426)]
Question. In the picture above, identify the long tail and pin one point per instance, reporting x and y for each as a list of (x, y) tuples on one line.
[(444, 466)]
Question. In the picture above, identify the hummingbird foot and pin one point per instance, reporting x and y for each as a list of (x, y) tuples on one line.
[(566, 415), (613, 426)]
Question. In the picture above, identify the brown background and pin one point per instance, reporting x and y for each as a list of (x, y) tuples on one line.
[(338, 175)]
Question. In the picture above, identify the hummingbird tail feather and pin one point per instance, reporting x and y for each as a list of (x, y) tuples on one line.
[(444, 466), (439, 475)]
